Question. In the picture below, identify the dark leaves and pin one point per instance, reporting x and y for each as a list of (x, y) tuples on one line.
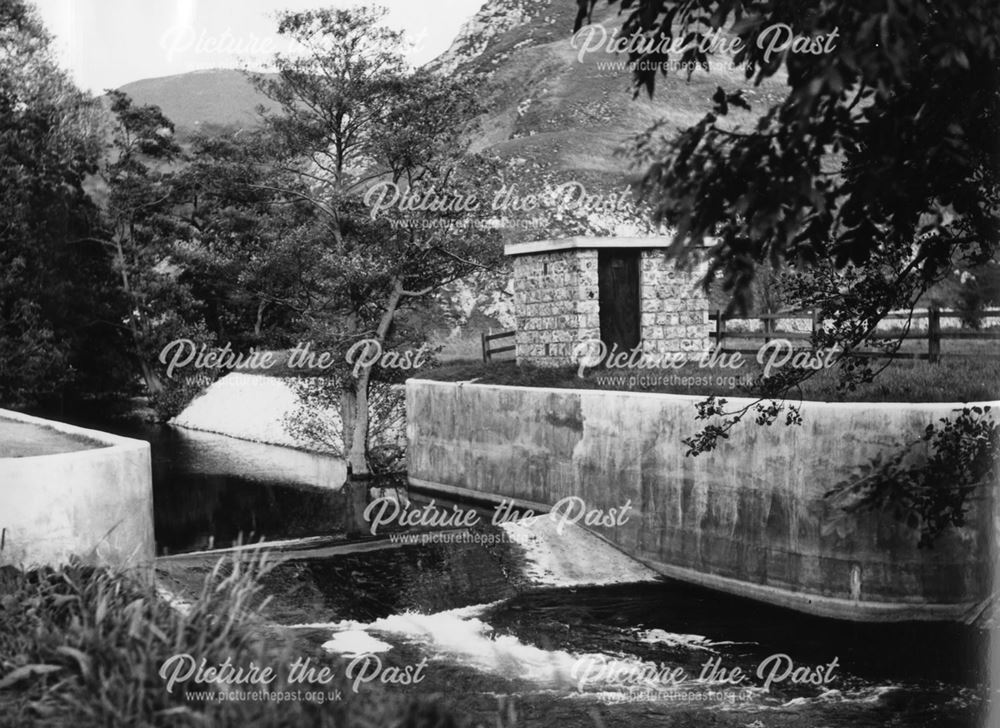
[(927, 485), (583, 14)]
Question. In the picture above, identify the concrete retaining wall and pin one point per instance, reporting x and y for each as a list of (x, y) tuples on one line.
[(749, 518), (96, 504)]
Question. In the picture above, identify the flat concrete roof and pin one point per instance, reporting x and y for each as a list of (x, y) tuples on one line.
[(590, 243)]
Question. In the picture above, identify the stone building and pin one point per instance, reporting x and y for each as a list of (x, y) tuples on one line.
[(623, 292)]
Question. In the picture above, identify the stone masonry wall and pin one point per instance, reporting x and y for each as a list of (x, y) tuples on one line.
[(674, 307), (556, 305), (555, 302)]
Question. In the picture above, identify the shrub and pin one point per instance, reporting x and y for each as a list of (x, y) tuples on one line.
[(177, 394), (927, 484)]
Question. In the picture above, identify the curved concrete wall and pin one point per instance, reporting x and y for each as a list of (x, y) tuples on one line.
[(96, 504), (749, 518)]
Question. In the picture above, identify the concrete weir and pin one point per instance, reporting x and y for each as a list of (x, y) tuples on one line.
[(749, 519), (67, 492)]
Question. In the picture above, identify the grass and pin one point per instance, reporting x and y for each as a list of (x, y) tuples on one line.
[(84, 646), (962, 380)]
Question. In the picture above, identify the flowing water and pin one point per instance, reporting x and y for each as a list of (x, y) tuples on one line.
[(496, 630)]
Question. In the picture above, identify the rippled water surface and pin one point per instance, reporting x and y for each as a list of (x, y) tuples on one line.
[(566, 656)]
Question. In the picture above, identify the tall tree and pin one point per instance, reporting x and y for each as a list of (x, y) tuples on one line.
[(140, 229), (247, 253), (58, 308), (354, 125)]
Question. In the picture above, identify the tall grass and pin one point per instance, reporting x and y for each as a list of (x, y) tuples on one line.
[(83, 646)]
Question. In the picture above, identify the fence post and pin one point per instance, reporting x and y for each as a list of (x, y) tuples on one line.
[(815, 324), (486, 351), (933, 334), (768, 328), (720, 328)]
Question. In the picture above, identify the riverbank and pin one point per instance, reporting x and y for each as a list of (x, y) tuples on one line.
[(295, 412), (250, 407), (95, 647)]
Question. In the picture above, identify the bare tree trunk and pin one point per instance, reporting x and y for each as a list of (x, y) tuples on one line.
[(258, 323), (348, 413), (154, 384), (357, 454), (356, 438), (356, 426)]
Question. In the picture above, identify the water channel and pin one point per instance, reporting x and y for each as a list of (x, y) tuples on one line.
[(491, 629)]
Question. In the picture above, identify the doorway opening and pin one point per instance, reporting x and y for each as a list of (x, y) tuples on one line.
[(618, 297)]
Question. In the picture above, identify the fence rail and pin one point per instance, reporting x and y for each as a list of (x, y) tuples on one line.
[(933, 334), (489, 350)]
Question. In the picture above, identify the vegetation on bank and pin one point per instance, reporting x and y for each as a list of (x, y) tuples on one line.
[(84, 646), (959, 380)]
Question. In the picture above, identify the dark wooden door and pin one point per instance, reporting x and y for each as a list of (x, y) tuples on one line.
[(618, 293)]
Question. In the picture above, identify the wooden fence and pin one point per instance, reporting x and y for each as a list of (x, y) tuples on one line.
[(933, 334), (489, 350)]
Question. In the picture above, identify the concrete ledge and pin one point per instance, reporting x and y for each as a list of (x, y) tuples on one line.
[(94, 504), (586, 243), (593, 243), (749, 518)]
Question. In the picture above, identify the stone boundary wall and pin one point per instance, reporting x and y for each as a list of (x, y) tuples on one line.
[(94, 504), (555, 303), (749, 518)]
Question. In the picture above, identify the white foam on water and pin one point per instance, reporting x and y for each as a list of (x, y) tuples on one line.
[(462, 637), (673, 639), (474, 610), (868, 695), (572, 556), (355, 642), (688, 641)]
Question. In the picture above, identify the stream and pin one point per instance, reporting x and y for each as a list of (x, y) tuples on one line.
[(493, 629)]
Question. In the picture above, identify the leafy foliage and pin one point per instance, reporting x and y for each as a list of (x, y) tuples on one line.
[(884, 142), (928, 484), (874, 177), (58, 307), (315, 422), (139, 231), (350, 117)]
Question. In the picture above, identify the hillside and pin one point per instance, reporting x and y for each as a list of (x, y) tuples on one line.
[(544, 104), (551, 109), (567, 112), (201, 101)]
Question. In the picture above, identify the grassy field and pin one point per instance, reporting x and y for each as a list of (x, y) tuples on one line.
[(961, 380), (968, 372)]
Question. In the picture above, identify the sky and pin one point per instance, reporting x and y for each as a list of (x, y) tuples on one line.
[(108, 43)]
